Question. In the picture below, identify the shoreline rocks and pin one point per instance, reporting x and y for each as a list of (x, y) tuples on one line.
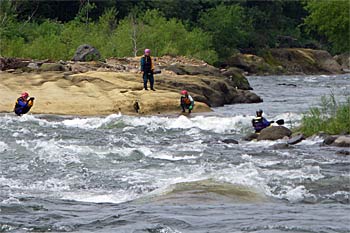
[(103, 93), (337, 140), (290, 61)]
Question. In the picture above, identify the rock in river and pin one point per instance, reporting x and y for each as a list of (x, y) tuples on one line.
[(274, 133)]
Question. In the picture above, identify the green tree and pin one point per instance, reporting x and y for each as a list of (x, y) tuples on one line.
[(331, 18), (228, 27)]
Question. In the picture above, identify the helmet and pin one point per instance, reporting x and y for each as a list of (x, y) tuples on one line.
[(184, 92), (259, 112), (147, 50), (25, 95)]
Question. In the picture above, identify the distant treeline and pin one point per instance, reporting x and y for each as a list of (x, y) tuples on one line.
[(204, 29)]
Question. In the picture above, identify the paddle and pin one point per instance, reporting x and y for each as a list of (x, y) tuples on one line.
[(278, 122)]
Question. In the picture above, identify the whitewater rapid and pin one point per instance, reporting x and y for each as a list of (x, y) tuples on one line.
[(122, 173)]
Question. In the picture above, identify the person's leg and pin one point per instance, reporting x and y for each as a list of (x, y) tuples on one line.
[(145, 81), (183, 107), (151, 81)]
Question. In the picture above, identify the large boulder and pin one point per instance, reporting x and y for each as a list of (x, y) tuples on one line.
[(274, 133), (86, 52), (344, 61), (214, 91), (303, 61), (342, 141), (247, 62)]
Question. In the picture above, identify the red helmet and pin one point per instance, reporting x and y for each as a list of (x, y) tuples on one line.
[(184, 92), (25, 95)]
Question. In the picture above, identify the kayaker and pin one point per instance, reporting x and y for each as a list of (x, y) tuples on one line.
[(147, 69), (186, 101), (259, 122), (23, 104)]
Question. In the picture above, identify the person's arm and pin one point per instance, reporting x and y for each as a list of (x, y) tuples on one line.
[(192, 102), (152, 64), (266, 122), (142, 64), (253, 123)]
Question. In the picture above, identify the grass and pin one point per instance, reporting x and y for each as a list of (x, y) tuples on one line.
[(332, 117)]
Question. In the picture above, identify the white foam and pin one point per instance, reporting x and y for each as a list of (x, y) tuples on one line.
[(210, 123), (101, 196), (90, 123), (295, 194)]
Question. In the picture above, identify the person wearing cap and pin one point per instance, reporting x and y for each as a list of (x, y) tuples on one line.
[(23, 104), (186, 101), (147, 69), (259, 122)]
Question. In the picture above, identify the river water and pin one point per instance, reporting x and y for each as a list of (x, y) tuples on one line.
[(164, 174)]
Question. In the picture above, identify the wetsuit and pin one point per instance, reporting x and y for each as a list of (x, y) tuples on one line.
[(187, 102), (260, 123), (22, 106), (147, 68)]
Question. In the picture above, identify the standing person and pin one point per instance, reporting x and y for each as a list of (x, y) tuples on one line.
[(147, 69), (186, 101), (259, 122), (23, 104)]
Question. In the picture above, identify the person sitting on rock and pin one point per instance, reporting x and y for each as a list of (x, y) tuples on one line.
[(23, 104), (259, 122), (186, 101), (147, 69)]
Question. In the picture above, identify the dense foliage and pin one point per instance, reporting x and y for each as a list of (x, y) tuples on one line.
[(331, 117), (209, 30)]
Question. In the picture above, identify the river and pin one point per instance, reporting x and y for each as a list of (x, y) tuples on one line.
[(172, 174)]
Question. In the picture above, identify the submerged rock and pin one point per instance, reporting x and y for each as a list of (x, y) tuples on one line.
[(274, 133), (282, 146), (343, 152), (250, 137), (230, 141), (296, 139)]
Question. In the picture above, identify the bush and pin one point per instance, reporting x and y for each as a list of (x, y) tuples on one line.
[(56, 41), (332, 117)]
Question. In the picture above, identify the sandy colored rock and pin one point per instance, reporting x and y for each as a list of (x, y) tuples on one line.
[(91, 93), (274, 133), (342, 141)]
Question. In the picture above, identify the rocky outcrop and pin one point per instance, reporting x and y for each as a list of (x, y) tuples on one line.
[(252, 64), (274, 133), (344, 61), (52, 67), (208, 85), (12, 63), (86, 52), (91, 93), (337, 140), (100, 93), (288, 61)]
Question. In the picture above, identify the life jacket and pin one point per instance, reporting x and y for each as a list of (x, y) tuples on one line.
[(147, 64), (259, 123), (186, 100)]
